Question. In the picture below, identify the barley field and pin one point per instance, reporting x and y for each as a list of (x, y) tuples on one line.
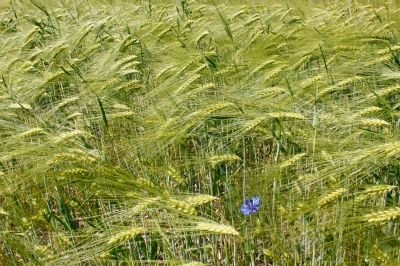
[(199, 132)]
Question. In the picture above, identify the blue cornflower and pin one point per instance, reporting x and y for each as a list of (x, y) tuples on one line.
[(250, 206)]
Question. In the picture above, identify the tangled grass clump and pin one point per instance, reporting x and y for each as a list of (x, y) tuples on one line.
[(132, 131)]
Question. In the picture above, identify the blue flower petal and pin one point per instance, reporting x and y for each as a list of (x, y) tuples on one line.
[(250, 205), (255, 209), (244, 209), (256, 201)]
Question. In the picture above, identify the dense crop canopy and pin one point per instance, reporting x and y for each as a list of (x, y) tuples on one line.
[(222, 132)]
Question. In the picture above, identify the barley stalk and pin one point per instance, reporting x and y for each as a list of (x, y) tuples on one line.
[(292, 160), (216, 228), (373, 122), (382, 216), (30, 133), (332, 196), (125, 235), (223, 158), (286, 115), (373, 191), (199, 199)]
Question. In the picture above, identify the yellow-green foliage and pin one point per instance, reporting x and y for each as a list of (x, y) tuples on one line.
[(132, 131)]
